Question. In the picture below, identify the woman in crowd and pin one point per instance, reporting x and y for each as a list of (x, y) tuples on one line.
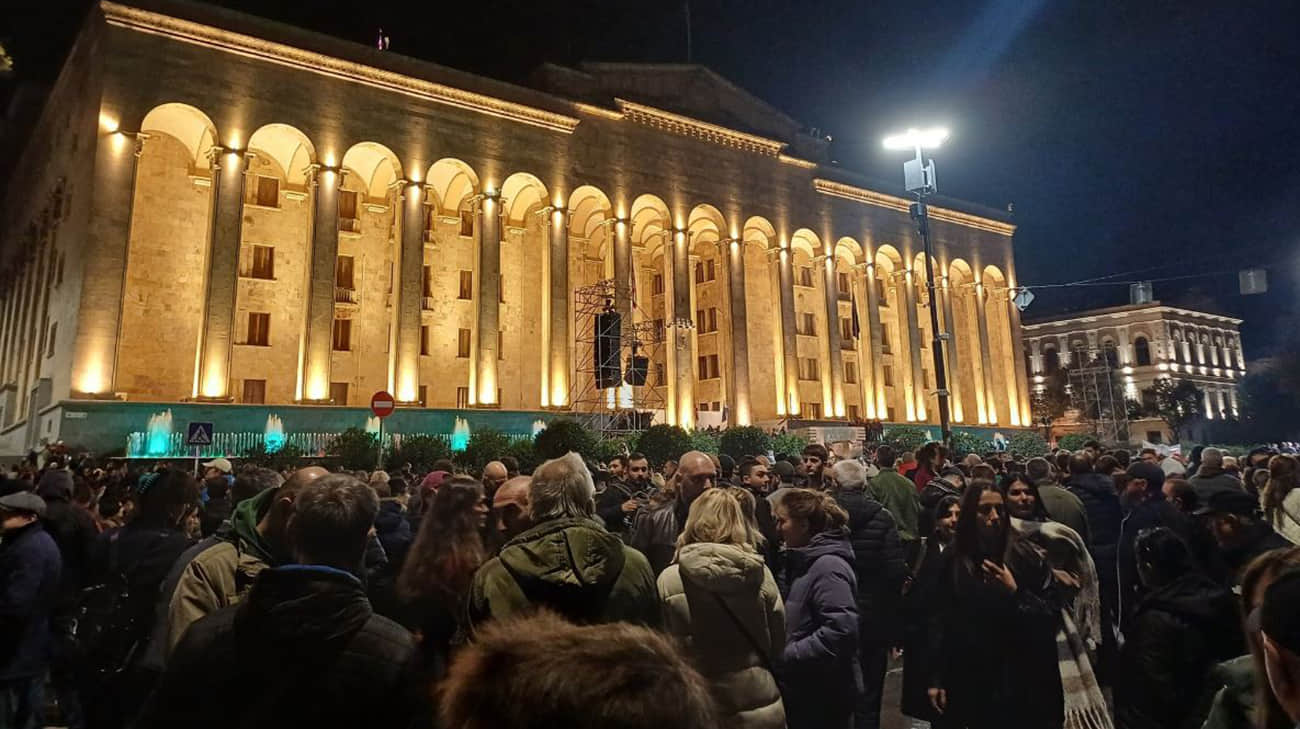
[(918, 602), (434, 582), (1184, 625), (1244, 699), (1021, 496), (993, 634), (1281, 498), (819, 666), (722, 601)]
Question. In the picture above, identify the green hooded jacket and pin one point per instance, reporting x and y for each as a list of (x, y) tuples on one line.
[(573, 567)]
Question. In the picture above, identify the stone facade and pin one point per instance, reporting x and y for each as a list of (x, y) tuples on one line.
[(250, 213), (1144, 343)]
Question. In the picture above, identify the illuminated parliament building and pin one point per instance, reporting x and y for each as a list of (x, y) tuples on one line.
[(225, 219)]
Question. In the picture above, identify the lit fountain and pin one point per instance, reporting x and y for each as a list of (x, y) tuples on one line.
[(460, 435), (538, 426), (372, 425), (274, 438), (158, 436)]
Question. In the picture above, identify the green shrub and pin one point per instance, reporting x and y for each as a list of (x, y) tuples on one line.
[(564, 435), (1074, 441), (705, 441), (745, 440), (609, 448), (420, 451), (905, 438), (484, 445), (1027, 444), (965, 442), (356, 449), (286, 457), (661, 443), (525, 452), (790, 444)]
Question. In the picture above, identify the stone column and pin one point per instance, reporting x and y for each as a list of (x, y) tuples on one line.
[(738, 384), (913, 383), (1036, 356), (408, 267), (683, 317), (833, 391), (488, 304), (314, 385), (866, 359), (227, 215), (1018, 384), (103, 259), (876, 346), (951, 354), (989, 408), (789, 350), (558, 336), (623, 270), (1232, 400)]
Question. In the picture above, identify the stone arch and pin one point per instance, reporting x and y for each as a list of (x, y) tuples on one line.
[(522, 195), (895, 337), (650, 237), (808, 259), (1142, 351), (286, 148), (708, 294), (370, 168), (998, 321), (525, 269), (452, 183), (169, 231)]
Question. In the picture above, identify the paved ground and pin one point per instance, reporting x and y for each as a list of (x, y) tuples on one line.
[(890, 716)]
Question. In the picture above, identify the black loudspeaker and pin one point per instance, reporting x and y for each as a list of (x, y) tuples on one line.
[(637, 366), (609, 332)]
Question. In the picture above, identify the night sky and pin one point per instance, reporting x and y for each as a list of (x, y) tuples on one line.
[(1128, 135)]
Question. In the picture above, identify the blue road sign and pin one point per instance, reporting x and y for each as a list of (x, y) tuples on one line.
[(198, 434)]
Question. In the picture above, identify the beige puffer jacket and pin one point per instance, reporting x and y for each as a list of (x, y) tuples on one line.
[(693, 592)]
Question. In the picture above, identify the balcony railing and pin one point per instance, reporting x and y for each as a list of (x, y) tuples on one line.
[(847, 344), (426, 303), (346, 295), (349, 225)]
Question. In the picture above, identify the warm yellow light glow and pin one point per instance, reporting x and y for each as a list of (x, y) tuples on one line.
[(318, 388), (93, 379), (329, 159), (913, 138), (118, 140), (236, 139), (108, 122), (214, 385)]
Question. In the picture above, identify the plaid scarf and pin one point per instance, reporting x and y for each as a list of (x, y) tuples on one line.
[(1085, 707)]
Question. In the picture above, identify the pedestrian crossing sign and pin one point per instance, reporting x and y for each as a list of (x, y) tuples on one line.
[(199, 434)]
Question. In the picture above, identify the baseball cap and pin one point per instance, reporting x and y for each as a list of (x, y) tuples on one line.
[(1279, 611), (1149, 472), (221, 464), (23, 501), (1230, 501)]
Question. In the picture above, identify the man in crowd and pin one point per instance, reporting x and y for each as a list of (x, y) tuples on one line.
[(29, 588), (511, 506), (219, 468), (617, 467), (617, 502), (1239, 528), (304, 648), (223, 573), (1180, 493), (1210, 478), (565, 562), (494, 474), (782, 475), (1097, 493), (638, 473), (657, 526), (814, 460), (1059, 503), (900, 497)]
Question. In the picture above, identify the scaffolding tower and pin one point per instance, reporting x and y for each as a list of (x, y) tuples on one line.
[(627, 409), (1099, 394)]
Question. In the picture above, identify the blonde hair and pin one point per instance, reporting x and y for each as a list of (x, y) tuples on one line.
[(717, 517)]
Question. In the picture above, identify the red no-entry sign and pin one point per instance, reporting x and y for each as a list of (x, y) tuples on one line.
[(382, 404)]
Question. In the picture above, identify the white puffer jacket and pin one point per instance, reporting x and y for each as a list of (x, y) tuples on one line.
[(725, 645)]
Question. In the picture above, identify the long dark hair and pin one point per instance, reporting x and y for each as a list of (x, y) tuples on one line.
[(448, 549), (1265, 568), (967, 540), (165, 498), (1040, 511)]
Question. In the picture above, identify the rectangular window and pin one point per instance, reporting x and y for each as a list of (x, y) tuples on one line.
[(713, 318), (925, 378), (339, 393), (889, 414), (812, 410), (809, 368), (853, 412), (466, 285), (268, 192), (884, 340), (343, 270), (54, 333), (263, 262), (501, 347), (699, 272), (657, 284), (342, 335), (259, 329), (254, 392), (462, 343), (424, 340), (887, 375), (462, 397), (466, 222), (347, 209), (851, 373), (846, 331), (708, 365), (426, 274), (806, 276), (659, 374), (880, 292), (807, 324), (843, 283), (659, 328)]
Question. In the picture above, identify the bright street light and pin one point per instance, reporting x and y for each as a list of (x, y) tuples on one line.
[(917, 139)]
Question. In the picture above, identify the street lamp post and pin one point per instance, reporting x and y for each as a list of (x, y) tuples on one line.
[(918, 178)]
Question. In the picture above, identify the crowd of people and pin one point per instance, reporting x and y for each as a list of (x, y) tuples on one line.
[(1084, 590)]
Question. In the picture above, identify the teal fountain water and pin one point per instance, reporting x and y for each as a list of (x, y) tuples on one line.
[(460, 435), (158, 435), (273, 439)]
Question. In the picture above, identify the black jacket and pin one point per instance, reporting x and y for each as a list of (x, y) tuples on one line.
[(394, 532), (1180, 631), (879, 565), (215, 513), (303, 649), (1097, 492), (73, 529), (609, 505), (29, 585), (1259, 539)]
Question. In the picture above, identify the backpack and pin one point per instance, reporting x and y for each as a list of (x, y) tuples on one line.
[(110, 623)]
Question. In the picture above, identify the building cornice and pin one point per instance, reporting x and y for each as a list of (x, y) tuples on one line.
[(1106, 317), (686, 126), (187, 31), (893, 202)]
